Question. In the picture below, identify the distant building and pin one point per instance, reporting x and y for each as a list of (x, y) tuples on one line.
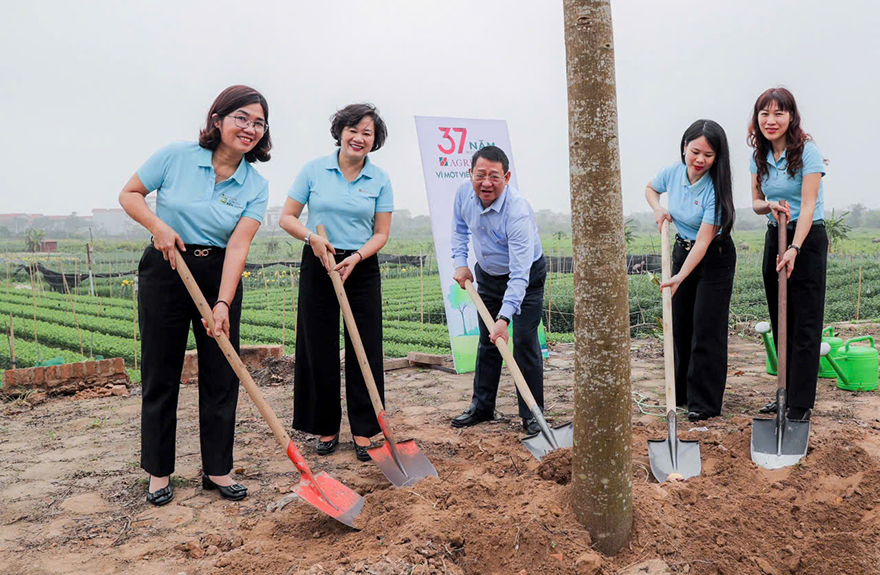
[(112, 221), (48, 246), (272, 217)]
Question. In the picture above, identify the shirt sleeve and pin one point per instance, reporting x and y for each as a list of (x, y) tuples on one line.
[(385, 201), (154, 170), (302, 186), (460, 233), (709, 210), (521, 246), (661, 180), (256, 208), (753, 165), (814, 163)]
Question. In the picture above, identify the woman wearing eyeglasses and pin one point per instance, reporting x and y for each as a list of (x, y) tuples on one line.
[(353, 199), (210, 203)]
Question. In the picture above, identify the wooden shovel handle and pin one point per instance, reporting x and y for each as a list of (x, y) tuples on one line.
[(781, 321), (240, 370), (668, 341), (353, 332), (518, 378)]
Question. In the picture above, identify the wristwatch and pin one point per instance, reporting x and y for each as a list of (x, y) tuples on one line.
[(306, 239), (796, 248), (504, 317)]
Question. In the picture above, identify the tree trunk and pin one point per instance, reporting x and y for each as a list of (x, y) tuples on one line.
[(602, 459)]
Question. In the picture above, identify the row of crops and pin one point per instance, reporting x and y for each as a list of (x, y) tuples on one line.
[(414, 320)]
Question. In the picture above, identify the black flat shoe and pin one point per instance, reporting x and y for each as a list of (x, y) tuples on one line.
[(161, 496), (697, 416), (327, 447), (360, 451), (531, 426), (769, 408), (234, 492), (798, 414), (471, 417)]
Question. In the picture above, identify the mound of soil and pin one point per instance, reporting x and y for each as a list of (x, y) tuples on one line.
[(556, 466), (275, 371)]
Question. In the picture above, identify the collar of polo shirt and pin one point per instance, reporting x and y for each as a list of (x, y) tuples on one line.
[(368, 171), (694, 188), (773, 161), (206, 157)]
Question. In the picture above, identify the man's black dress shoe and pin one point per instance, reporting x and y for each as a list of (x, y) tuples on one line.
[(769, 408), (697, 416), (471, 417), (798, 414), (531, 426), (161, 496), (327, 447), (234, 492), (360, 451)]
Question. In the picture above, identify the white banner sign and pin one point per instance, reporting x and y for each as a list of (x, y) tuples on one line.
[(447, 145)]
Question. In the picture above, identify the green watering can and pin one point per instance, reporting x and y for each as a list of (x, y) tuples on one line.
[(858, 366), (825, 369)]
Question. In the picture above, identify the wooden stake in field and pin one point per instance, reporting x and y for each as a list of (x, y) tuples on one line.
[(11, 341), (266, 284), (421, 289), (283, 317), (550, 293), (73, 308), (89, 263), (859, 300), (602, 478), (134, 322), (34, 299)]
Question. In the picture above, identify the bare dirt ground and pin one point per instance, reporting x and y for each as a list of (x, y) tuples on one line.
[(72, 495)]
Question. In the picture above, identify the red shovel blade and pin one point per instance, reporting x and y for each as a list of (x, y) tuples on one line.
[(340, 503), (324, 492)]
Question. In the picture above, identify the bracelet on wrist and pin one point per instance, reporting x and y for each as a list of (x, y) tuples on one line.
[(795, 248), (360, 254), (219, 301), (306, 239)]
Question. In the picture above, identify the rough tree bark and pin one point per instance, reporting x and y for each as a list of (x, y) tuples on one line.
[(602, 461)]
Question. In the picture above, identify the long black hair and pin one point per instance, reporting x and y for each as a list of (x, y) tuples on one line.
[(720, 170)]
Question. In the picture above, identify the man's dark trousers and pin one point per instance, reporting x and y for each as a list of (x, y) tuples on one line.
[(526, 348)]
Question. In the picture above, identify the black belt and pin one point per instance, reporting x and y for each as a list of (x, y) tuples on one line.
[(793, 224), (203, 251), (689, 244)]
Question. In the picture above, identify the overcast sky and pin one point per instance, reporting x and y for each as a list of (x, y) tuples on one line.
[(89, 89)]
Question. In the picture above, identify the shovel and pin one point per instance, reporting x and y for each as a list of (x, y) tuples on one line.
[(321, 490), (671, 458), (780, 442), (539, 444), (402, 463)]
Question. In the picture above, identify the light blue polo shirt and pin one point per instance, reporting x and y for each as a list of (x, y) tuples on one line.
[(779, 185), (347, 209), (689, 205), (188, 200)]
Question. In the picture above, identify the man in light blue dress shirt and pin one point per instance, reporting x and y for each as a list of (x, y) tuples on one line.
[(510, 274)]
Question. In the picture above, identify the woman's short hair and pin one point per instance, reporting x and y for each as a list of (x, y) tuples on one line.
[(351, 116), (230, 100)]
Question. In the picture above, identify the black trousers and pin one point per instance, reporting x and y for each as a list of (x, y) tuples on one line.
[(316, 403), (166, 314), (526, 348), (806, 310), (700, 310)]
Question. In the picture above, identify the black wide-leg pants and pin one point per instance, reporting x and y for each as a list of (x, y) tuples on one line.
[(316, 403), (806, 309), (526, 347), (700, 311), (166, 312)]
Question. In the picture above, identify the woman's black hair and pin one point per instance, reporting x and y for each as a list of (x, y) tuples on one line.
[(230, 100), (351, 116), (725, 213)]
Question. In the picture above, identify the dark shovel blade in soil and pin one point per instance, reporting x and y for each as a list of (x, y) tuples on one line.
[(549, 439), (407, 467), (672, 455), (331, 497), (778, 444)]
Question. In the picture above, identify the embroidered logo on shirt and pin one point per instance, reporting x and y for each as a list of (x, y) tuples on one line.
[(231, 202)]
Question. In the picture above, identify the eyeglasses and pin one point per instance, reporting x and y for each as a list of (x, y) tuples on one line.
[(494, 178), (243, 123)]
